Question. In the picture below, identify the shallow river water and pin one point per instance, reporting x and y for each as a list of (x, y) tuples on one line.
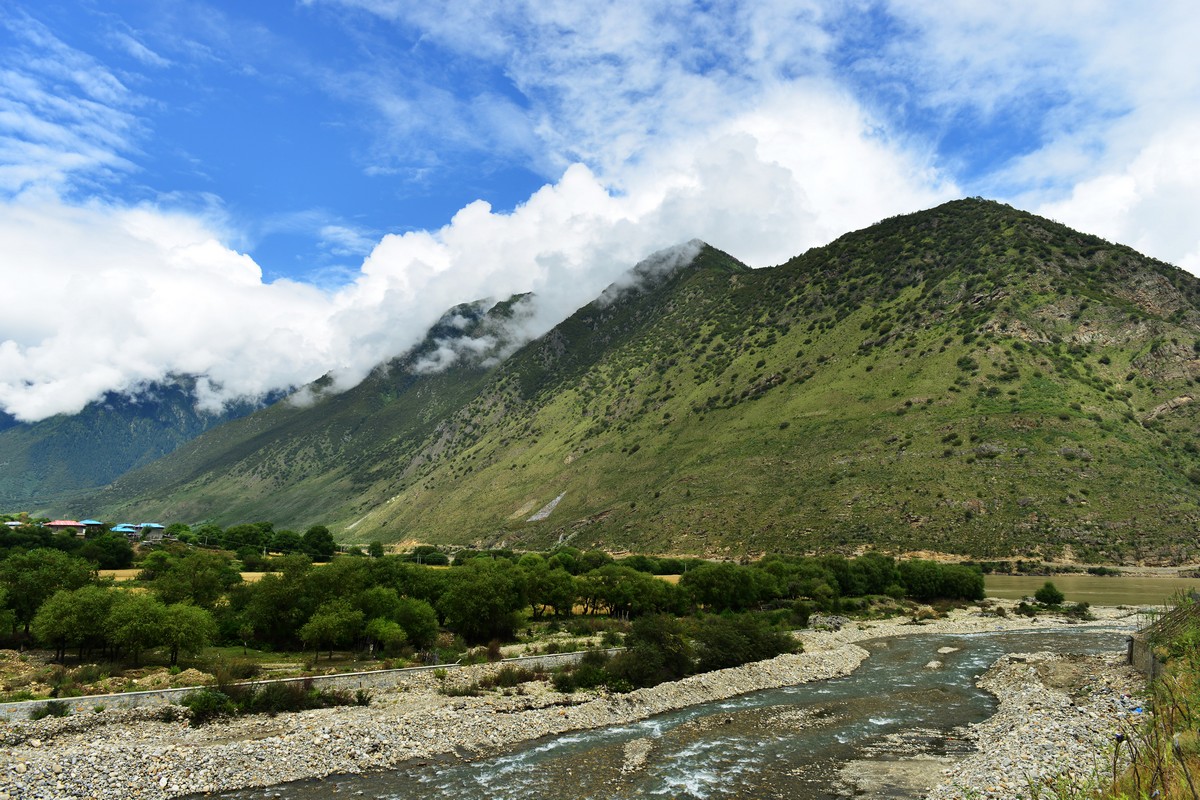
[(790, 742)]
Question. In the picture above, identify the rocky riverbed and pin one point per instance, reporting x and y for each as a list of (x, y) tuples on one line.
[(1055, 727), (132, 754)]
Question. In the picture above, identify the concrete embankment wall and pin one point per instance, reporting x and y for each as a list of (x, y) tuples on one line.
[(348, 681)]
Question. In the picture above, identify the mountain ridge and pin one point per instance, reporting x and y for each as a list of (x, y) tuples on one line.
[(970, 378), (47, 462)]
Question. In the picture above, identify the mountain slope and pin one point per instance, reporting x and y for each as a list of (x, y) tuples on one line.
[(43, 463), (969, 378), (301, 460)]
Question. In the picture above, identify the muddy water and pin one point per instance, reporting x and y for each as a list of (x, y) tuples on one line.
[(888, 724)]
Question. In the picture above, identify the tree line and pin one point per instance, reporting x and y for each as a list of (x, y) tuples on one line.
[(393, 605), (250, 542)]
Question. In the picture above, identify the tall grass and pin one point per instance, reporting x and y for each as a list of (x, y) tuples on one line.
[(1155, 756)]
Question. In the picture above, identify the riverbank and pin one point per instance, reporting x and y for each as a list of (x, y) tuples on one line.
[(134, 755), (1054, 729)]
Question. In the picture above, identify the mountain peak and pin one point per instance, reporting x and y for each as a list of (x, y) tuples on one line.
[(970, 378)]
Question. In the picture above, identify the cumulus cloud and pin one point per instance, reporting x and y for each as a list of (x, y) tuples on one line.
[(130, 294), (1105, 95), (139, 293), (113, 297), (1148, 203), (653, 125)]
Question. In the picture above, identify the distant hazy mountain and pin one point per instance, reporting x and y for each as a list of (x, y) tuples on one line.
[(44, 463), (969, 378)]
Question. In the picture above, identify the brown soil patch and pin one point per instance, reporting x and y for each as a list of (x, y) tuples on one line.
[(119, 574)]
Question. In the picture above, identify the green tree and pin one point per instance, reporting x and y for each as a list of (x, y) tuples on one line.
[(726, 586), (593, 559), (729, 640), (922, 579), (548, 589), (154, 564), (482, 599), (419, 621), (108, 551), (176, 530), (30, 578), (334, 623), (200, 577), (375, 549), (286, 541), (73, 617), (209, 534), (245, 535), (136, 622), (960, 581), (623, 591), (877, 572), (319, 543), (272, 609), (187, 629), (656, 651), (1049, 595), (389, 636), (7, 617)]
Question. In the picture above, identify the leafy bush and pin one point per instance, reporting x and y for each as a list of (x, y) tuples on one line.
[(273, 698), (54, 708), (1025, 609), (563, 681), (208, 704), (229, 670), (509, 676), (657, 652), (1049, 595), (1081, 611), (729, 640)]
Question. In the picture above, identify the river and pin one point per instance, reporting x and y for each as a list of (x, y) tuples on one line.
[(790, 742)]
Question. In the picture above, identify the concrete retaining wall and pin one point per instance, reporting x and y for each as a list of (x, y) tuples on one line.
[(350, 681)]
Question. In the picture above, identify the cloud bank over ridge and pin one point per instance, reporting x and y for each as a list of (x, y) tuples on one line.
[(763, 129)]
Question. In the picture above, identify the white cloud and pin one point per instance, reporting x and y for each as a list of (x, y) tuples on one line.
[(62, 113), (1111, 92), (1149, 202), (112, 297), (136, 294), (138, 50), (688, 138), (653, 124), (344, 240)]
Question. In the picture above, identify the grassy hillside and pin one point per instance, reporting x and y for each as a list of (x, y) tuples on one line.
[(306, 459), (45, 462), (967, 379)]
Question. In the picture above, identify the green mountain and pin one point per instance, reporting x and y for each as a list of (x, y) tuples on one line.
[(43, 463), (969, 379)]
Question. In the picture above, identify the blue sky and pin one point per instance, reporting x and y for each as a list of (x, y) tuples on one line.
[(260, 193)]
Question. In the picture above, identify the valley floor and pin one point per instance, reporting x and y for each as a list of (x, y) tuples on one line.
[(129, 754)]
